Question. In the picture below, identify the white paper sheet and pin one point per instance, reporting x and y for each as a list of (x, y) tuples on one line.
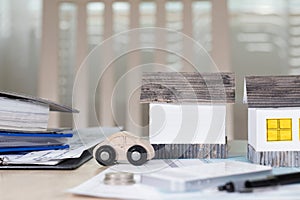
[(95, 187)]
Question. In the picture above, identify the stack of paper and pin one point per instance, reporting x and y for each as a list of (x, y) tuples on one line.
[(24, 124), (82, 140), (23, 115)]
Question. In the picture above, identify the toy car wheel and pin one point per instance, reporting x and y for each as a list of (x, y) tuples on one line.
[(105, 155), (137, 155)]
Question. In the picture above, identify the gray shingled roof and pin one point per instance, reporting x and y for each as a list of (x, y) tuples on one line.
[(272, 91), (188, 87)]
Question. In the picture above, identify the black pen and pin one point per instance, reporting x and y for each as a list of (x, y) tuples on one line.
[(248, 186)]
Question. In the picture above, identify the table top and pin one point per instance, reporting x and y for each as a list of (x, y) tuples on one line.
[(45, 184), (53, 184)]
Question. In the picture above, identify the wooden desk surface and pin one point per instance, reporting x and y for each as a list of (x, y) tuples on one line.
[(52, 184), (45, 184)]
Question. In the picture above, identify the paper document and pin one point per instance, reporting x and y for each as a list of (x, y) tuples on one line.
[(27, 113), (86, 139), (197, 177), (12, 139), (96, 188)]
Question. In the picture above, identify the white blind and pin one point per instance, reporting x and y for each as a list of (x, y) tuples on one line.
[(106, 18)]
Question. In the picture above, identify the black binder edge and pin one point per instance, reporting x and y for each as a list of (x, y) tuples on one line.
[(67, 164)]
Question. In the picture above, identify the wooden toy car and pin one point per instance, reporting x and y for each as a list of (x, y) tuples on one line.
[(123, 146)]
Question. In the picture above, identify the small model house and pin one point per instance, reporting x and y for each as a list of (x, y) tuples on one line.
[(273, 119), (187, 113)]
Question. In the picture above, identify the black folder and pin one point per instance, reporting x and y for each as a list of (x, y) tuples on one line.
[(67, 164)]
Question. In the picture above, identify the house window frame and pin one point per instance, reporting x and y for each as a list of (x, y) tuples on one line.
[(280, 128)]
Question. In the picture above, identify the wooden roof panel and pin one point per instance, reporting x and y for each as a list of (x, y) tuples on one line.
[(188, 87), (273, 91)]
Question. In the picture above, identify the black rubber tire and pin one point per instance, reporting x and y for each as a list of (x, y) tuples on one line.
[(112, 155), (143, 154)]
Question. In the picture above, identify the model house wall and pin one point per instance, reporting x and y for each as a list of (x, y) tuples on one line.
[(274, 129), (187, 124)]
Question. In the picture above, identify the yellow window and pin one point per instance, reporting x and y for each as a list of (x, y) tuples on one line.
[(272, 135), (285, 123), (272, 123), (285, 135), (279, 129), (299, 129)]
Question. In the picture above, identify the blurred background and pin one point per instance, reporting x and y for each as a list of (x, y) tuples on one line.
[(43, 43)]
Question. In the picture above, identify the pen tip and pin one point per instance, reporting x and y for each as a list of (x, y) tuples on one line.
[(229, 187), (221, 187)]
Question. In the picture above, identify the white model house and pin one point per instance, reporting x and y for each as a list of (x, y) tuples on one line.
[(273, 119), (187, 113)]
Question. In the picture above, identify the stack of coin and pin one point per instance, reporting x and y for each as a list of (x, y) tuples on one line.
[(119, 178)]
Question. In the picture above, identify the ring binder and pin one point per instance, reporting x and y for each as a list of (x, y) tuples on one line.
[(3, 160)]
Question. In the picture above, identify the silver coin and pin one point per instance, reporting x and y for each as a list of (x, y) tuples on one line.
[(119, 178)]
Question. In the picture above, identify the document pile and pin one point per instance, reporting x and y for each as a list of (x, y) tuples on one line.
[(24, 124), (70, 158)]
